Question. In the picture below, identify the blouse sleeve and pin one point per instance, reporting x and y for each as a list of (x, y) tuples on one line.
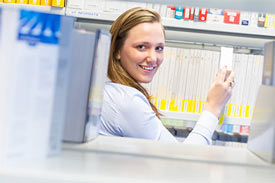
[(203, 130), (135, 118), (138, 120)]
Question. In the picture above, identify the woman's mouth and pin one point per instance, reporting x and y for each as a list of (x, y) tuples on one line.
[(147, 68)]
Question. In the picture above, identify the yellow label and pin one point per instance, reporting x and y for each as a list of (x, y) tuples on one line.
[(235, 110), (173, 106), (247, 112), (22, 1), (1, 1), (9, 1), (232, 110), (193, 108), (190, 106), (163, 104), (238, 111), (34, 2), (229, 110), (221, 119), (269, 21), (184, 105), (154, 101), (46, 2), (59, 3)]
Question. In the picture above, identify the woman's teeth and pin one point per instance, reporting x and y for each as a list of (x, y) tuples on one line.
[(147, 68)]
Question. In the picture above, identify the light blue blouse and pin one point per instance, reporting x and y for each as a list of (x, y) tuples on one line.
[(127, 113)]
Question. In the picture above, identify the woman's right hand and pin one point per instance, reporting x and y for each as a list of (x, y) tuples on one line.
[(220, 92)]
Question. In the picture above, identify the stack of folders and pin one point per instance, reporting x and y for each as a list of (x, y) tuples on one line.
[(85, 83), (51, 76)]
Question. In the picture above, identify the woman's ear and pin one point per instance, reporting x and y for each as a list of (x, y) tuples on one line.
[(118, 55)]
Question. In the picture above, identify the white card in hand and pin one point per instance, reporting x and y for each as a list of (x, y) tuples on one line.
[(226, 57)]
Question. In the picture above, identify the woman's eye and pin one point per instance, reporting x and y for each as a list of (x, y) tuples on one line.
[(159, 48), (141, 47)]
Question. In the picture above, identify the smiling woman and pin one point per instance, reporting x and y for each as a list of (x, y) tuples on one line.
[(136, 53), (142, 51)]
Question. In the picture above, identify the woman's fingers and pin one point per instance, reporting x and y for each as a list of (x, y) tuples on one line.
[(220, 91), (230, 81), (221, 76)]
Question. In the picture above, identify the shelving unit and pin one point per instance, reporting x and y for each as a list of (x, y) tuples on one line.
[(181, 32), (266, 6), (46, 9), (182, 25), (178, 32), (194, 117), (220, 28)]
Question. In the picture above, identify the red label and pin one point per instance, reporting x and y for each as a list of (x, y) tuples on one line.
[(231, 17), (203, 14), (244, 129), (187, 13)]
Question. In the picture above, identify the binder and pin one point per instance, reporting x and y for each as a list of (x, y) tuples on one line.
[(88, 73)]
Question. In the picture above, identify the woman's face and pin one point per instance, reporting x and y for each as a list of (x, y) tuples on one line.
[(142, 52)]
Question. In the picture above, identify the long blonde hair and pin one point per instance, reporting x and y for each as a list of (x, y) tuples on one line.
[(119, 30)]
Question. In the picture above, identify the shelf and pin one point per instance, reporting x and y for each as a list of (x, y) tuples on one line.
[(91, 14), (46, 9), (265, 6), (239, 30), (194, 117), (222, 28), (121, 160)]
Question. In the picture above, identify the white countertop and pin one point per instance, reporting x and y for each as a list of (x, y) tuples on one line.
[(110, 159)]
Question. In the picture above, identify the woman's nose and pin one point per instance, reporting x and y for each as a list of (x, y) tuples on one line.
[(151, 57)]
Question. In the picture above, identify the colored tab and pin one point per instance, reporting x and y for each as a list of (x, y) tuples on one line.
[(163, 104), (154, 100), (189, 106), (247, 113), (22, 1), (233, 110), (173, 106), (184, 106), (229, 109), (46, 2), (193, 108), (228, 128), (238, 111), (221, 119), (243, 110), (9, 1), (34, 2), (269, 21), (58, 3)]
